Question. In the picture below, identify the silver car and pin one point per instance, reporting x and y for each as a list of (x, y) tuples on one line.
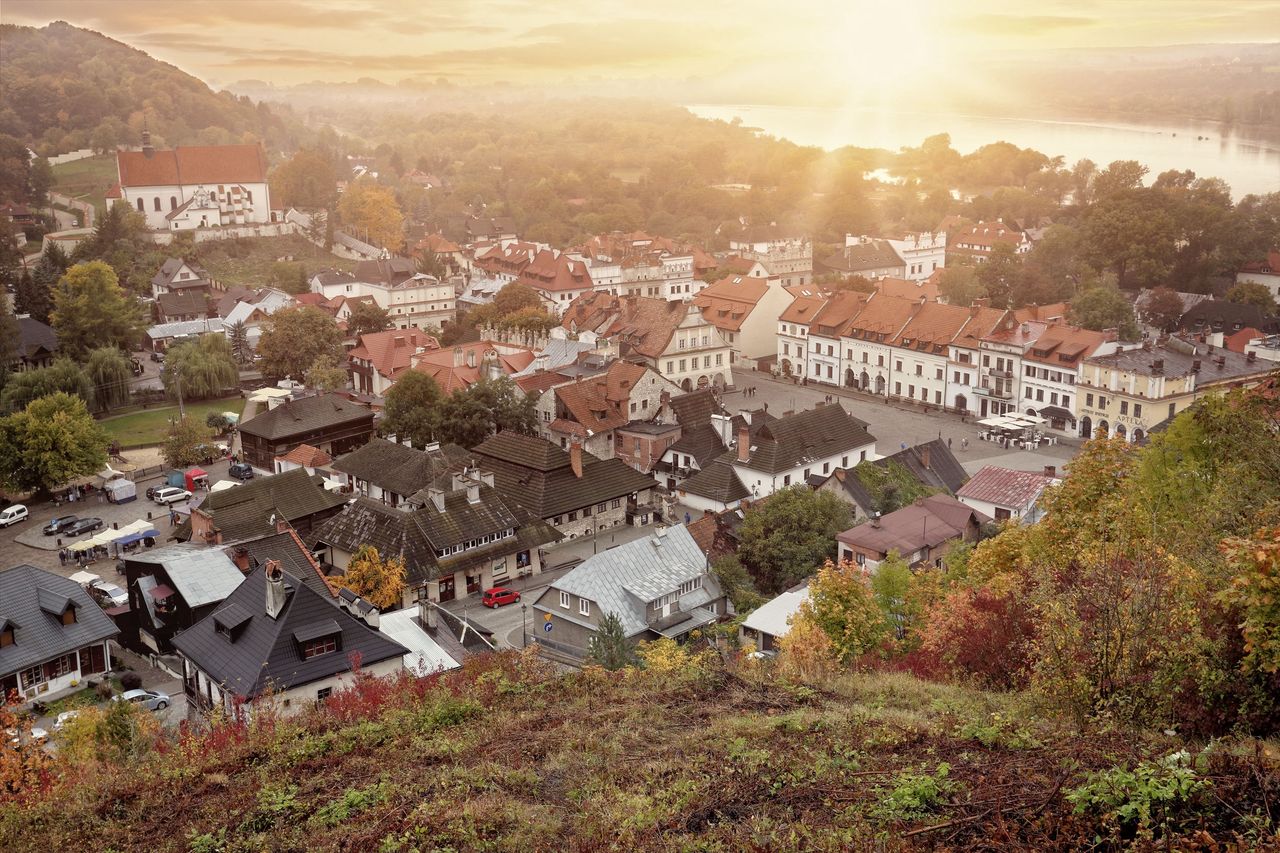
[(150, 699)]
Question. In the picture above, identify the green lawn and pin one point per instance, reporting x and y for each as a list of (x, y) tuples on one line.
[(86, 698), (87, 179), (248, 262), (144, 427)]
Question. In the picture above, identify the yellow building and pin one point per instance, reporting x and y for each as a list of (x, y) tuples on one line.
[(1128, 393)]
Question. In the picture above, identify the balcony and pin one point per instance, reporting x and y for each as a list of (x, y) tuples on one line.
[(999, 391), (999, 374)]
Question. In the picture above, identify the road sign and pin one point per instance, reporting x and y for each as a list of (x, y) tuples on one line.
[(547, 627), (546, 617)]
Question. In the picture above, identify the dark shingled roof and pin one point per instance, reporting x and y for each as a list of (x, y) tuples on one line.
[(788, 442), (944, 471), (27, 595), (397, 468), (34, 336), (290, 551), (181, 303), (307, 415), (928, 522), (701, 442), (264, 652), (245, 511), (871, 255), (418, 535), (164, 275), (537, 474), (1222, 315), (718, 482), (696, 408)]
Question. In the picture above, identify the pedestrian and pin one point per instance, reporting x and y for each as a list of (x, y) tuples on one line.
[(964, 444), (948, 442), (902, 446), (62, 557)]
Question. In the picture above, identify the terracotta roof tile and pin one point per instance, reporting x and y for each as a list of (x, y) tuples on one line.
[(196, 164)]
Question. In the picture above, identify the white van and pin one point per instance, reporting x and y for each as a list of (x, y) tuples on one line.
[(12, 515)]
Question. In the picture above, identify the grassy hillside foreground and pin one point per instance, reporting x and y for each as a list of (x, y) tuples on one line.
[(685, 755)]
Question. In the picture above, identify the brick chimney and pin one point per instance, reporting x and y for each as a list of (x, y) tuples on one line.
[(924, 456), (240, 556), (458, 357), (875, 520), (203, 529), (575, 456), (1251, 356), (1051, 471), (744, 444), (282, 524), (275, 588)]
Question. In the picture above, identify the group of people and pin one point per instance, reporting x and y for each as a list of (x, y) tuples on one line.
[(80, 558), (749, 391)]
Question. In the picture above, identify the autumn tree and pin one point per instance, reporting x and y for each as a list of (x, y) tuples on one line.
[(608, 646), (483, 408), (370, 212), (184, 444), (307, 180), (1255, 591), (201, 368), (375, 579), (981, 636), (900, 596), (843, 606), (1253, 293), (326, 375), (294, 338), (91, 310), (49, 443), (1163, 309), (367, 318), (413, 409), (23, 759), (1119, 176), (784, 539)]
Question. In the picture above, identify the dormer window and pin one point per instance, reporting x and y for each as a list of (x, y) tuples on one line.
[(315, 648), (319, 638), (69, 615), (6, 636)]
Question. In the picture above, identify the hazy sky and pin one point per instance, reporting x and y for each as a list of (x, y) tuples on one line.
[(872, 41)]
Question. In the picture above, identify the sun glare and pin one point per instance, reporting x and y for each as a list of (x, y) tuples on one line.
[(881, 48)]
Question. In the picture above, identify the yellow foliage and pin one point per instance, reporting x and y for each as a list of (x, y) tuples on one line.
[(371, 211), (667, 657), (805, 652), (379, 581)]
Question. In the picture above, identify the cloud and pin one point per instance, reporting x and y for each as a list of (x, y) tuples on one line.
[(1022, 25)]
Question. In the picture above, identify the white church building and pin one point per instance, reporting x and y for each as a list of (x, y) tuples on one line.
[(199, 186)]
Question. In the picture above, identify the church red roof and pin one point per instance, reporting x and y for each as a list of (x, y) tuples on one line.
[(195, 164)]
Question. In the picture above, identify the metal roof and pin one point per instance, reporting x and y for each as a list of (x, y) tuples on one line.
[(774, 616), (201, 575)]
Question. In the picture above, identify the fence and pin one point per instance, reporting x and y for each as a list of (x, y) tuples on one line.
[(229, 232)]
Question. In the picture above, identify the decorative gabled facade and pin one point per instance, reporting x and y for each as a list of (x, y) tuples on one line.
[(788, 256), (412, 299)]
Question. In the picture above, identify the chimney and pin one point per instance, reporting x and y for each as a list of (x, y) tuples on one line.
[(275, 588), (471, 358), (1251, 356), (282, 524), (575, 456), (240, 556), (924, 456), (875, 520), (473, 491), (437, 498), (458, 357), (371, 616), (399, 341), (1051, 471), (1220, 361), (427, 614), (1195, 365), (744, 444)]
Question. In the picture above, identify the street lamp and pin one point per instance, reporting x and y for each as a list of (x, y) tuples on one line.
[(524, 621)]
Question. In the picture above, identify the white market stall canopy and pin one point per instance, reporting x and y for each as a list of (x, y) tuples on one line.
[(106, 537)]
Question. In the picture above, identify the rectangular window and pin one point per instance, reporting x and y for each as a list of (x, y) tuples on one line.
[(706, 361), (617, 503), (880, 361), (844, 461), (323, 646), (786, 481), (1066, 402), (719, 359), (1137, 410), (573, 516), (323, 694), (564, 600), (1124, 407), (866, 358), (1039, 395), (1088, 400), (671, 367), (684, 365), (938, 373), (899, 367), (897, 388), (860, 559), (919, 370), (584, 607), (911, 390)]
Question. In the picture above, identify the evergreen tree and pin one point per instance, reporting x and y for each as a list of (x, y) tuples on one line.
[(608, 647)]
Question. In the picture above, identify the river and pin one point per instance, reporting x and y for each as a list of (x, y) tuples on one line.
[(1249, 163)]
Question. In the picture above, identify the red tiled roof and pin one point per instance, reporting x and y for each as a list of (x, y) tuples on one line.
[(196, 164), (307, 456), (1005, 487), (392, 351), (882, 315), (802, 309), (1239, 342), (727, 303), (1046, 313), (645, 324), (909, 289), (439, 244), (838, 311), (1271, 265), (556, 272), (1064, 346), (449, 368), (600, 403), (934, 325)]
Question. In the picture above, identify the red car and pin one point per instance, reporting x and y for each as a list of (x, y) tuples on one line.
[(499, 596)]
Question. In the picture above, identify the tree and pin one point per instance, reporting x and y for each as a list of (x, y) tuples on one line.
[(1256, 592), (42, 181), (486, 407), (896, 593), (307, 180), (1001, 276), (1163, 309), (318, 230), (1253, 293), (413, 409), (429, 263), (238, 338), (35, 291), (23, 760), (294, 338), (9, 338), (1132, 234), (784, 539), (200, 369), (1118, 177), (184, 444), (64, 376), (326, 375), (91, 310), (49, 443), (960, 285), (842, 605), (608, 646), (737, 584), (1104, 307), (289, 276), (109, 376), (367, 318), (379, 581), (514, 297), (370, 211)]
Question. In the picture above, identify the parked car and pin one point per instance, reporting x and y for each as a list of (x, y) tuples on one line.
[(157, 357), (150, 699), (13, 514), (241, 471), (109, 591), (499, 595), (170, 495), (59, 524), (64, 718), (82, 526)]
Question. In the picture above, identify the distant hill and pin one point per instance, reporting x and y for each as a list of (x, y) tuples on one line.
[(65, 88)]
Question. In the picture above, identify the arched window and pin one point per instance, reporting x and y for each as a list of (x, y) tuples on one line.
[(157, 204), (173, 202), (141, 207)]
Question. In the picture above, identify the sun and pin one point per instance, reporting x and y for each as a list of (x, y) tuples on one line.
[(882, 48)]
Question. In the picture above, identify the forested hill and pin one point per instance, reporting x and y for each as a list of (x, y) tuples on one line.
[(65, 88)]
